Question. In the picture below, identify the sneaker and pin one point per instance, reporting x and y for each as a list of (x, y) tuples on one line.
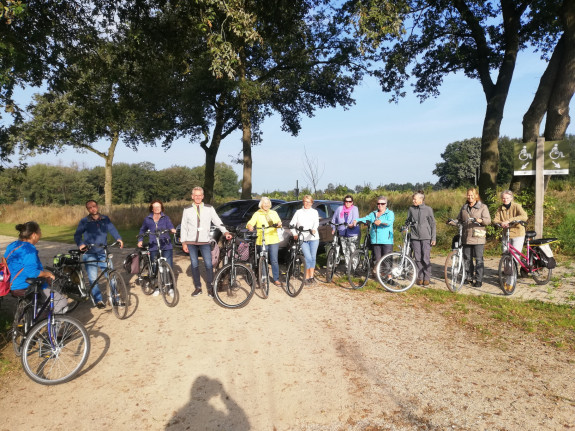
[(101, 305), (419, 282), (197, 292), (210, 292), (278, 283), (390, 282), (171, 293), (477, 284), (156, 292)]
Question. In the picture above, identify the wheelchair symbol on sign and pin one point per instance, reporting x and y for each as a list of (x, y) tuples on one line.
[(524, 155), (555, 153)]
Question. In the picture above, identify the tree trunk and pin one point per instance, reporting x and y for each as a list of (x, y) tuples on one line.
[(212, 151), (246, 131), (109, 161)]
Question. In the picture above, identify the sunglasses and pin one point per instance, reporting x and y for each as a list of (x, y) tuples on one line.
[(382, 203), (348, 202)]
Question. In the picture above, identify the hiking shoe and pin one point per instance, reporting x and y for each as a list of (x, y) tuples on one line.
[(477, 284), (419, 282), (197, 292), (426, 282), (101, 305), (156, 292), (390, 282)]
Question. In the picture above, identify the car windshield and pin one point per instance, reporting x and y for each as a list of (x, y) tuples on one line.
[(232, 209)]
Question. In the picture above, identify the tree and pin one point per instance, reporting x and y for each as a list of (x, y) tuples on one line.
[(461, 164), (480, 39), (312, 171)]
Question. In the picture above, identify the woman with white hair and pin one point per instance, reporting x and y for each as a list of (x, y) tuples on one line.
[(265, 216), (423, 236), (510, 211)]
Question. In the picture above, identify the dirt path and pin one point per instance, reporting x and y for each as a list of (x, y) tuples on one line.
[(328, 359)]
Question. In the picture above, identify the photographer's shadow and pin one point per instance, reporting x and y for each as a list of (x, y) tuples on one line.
[(210, 407)]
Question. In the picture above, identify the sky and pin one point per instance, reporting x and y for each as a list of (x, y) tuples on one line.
[(374, 142)]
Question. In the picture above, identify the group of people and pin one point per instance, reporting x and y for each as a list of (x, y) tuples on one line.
[(92, 232)]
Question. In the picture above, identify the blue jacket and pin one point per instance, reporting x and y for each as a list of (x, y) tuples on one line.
[(25, 258), (380, 234), (353, 215), (150, 225), (95, 232)]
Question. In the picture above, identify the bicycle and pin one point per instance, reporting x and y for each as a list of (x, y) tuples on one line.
[(234, 283), (535, 262), (262, 263), (454, 265), (52, 348), (359, 263), (77, 290), (157, 274), (396, 271), (333, 256), (295, 274)]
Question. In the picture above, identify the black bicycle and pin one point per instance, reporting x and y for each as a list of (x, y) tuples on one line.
[(157, 273), (295, 274), (77, 290), (334, 256), (53, 347), (359, 263), (234, 282)]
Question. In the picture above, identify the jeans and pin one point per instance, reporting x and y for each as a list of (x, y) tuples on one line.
[(422, 254), (206, 251), (515, 242), (273, 258), (309, 249), (99, 261), (168, 254), (473, 251)]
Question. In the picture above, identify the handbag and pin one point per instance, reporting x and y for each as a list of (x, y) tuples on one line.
[(479, 233)]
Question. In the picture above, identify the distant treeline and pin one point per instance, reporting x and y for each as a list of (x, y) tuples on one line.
[(132, 183)]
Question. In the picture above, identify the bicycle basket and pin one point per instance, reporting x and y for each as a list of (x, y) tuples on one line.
[(132, 263), (66, 259)]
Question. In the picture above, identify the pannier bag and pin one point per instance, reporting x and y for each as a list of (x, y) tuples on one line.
[(547, 256), (132, 263), (66, 259)]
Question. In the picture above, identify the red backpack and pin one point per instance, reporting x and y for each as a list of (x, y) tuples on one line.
[(5, 281)]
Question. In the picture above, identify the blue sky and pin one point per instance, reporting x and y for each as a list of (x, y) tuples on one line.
[(373, 142)]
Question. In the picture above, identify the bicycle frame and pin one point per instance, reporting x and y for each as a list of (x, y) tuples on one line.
[(519, 257)]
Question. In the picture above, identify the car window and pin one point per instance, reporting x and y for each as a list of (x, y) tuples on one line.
[(321, 210), (333, 206), (286, 211), (234, 209)]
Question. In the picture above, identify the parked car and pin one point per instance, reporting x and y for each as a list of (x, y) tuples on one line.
[(234, 213), (325, 210)]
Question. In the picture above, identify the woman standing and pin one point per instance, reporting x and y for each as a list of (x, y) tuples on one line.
[(155, 221), (507, 212), (23, 262), (474, 216), (265, 216), (422, 236), (307, 218), (348, 235), (381, 228)]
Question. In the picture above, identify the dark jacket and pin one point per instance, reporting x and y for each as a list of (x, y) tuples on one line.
[(150, 225), (91, 231), (424, 228)]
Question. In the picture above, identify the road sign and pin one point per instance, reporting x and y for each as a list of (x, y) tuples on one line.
[(556, 158), (524, 158)]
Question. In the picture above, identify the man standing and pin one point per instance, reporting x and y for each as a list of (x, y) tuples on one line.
[(194, 234), (94, 229)]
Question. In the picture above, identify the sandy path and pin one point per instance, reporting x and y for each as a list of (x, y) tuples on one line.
[(328, 359)]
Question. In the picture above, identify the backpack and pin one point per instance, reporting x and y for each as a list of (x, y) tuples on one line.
[(5, 279)]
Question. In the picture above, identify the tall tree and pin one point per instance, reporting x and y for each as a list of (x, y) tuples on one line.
[(480, 39)]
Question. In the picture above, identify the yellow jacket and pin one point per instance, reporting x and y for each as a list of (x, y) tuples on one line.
[(262, 218)]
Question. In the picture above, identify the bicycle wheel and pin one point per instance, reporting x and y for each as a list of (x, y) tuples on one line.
[(295, 276), (507, 274), (358, 271), (50, 359), (146, 275), (118, 294), (234, 285), (454, 271), (541, 274), (167, 284), (395, 272), (330, 265), (21, 325), (264, 276)]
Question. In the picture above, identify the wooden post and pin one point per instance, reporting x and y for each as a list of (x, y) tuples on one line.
[(539, 187)]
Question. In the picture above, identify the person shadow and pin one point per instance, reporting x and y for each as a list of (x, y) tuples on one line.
[(209, 407)]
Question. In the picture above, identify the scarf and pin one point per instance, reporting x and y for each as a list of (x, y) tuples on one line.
[(345, 211)]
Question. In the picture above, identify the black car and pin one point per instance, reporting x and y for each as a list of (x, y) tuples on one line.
[(325, 211), (235, 213)]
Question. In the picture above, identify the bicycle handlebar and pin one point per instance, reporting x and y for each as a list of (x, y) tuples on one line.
[(512, 222)]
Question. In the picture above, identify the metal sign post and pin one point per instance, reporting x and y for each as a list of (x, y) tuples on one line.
[(539, 187)]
